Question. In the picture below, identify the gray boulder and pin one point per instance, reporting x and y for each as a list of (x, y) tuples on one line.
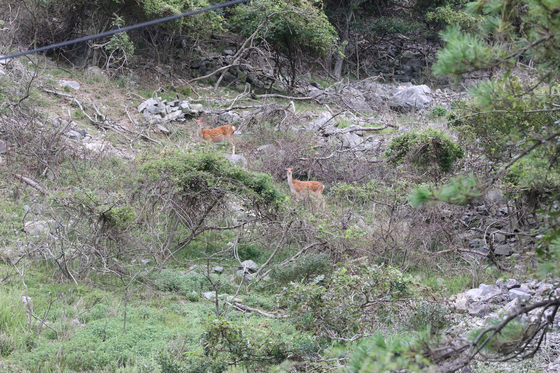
[(411, 98)]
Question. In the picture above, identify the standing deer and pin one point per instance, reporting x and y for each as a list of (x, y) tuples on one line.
[(216, 135), (312, 187)]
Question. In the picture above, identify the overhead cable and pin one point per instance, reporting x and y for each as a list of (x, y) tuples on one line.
[(124, 29)]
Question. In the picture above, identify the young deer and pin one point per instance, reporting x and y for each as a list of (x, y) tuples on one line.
[(216, 135), (311, 187)]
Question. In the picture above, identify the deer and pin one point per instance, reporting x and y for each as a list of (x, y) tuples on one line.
[(312, 187), (216, 135)]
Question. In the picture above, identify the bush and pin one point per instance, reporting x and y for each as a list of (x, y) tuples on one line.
[(305, 268), (424, 149), (428, 315)]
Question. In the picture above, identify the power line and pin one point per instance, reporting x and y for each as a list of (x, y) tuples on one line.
[(124, 29)]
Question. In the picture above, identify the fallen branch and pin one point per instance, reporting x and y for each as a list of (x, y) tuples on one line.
[(32, 183), (247, 308)]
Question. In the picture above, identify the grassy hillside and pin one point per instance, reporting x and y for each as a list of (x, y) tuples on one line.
[(109, 247)]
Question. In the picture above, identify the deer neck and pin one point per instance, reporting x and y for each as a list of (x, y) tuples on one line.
[(200, 132), (291, 183)]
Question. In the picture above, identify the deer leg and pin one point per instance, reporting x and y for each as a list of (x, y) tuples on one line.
[(233, 146)]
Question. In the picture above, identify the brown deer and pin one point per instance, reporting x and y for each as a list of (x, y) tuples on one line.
[(312, 187), (216, 135)]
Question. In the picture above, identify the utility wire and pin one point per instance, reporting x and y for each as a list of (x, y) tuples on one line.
[(124, 29)]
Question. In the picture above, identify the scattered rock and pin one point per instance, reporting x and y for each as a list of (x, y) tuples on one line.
[(519, 293), (36, 228), (249, 265), (69, 83), (218, 269), (237, 159), (411, 98), (3, 147)]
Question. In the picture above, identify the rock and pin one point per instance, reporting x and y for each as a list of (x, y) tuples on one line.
[(476, 242), (350, 140), (163, 129), (145, 104), (26, 300), (196, 108), (40, 227), (479, 309), (503, 250), (492, 294), (237, 159), (519, 293), (173, 116), (461, 302), (512, 284), (499, 237), (218, 269), (324, 124), (544, 289), (228, 118), (246, 276), (153, 110), (185, 108), (69, 83), (314, 93), (411, 98), (249, 265), (3, 147), (513, 306), (228, 52), (74, 135), (473, 294), (209, 295)]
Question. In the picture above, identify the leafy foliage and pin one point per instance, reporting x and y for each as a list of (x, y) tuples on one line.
[(424, 149), (305, 269), (349, 303)]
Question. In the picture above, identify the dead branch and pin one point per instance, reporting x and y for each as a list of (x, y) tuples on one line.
[(32, 183), (247, 308)]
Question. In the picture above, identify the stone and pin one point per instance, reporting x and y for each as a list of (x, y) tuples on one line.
[(237, 159), (196, 108), (173, 116), (350, 140), (499, 237), (163, 129), (185, 108), (411, 98), (228, 117), (39, 227), (209, 295), (249, 265), (153, 110), (479, 309), (315, 93), (473, 294), (74, 135), (512, 284), (70, 84), (519, 293), (218, 269), (503, 250), (476, 242), (461, 302), (228, 52), (513, 306), (492, 294), (544, 288), (3, 147), (145, 104)]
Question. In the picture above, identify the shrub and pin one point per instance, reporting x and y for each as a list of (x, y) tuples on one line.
[(428, 315), (424, 149), (305, 268)]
